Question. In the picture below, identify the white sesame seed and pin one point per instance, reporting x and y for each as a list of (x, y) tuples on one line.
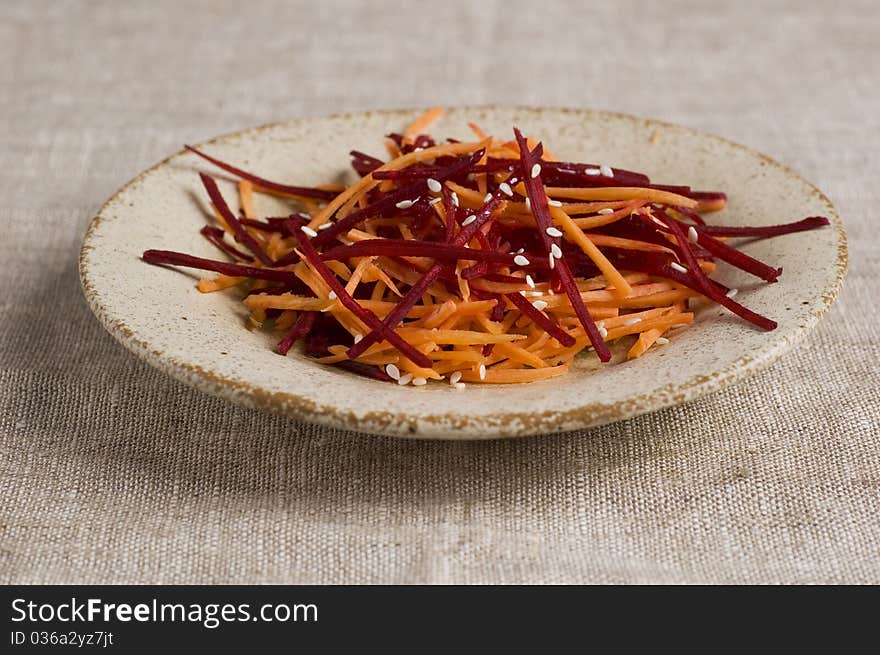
[(520, 251), (540, 305), (661, 341), (732, 293), (532, 294), (434, 185), (392, 371), (434, 201), (522, 293), (605, 170), (332, 295), (556, 251), (455, 198), (404, 379), (513, 180), (520, 260), (460, 385), (470, 219), (358, 338), (419, 382), (530, 281), (482, 371), (551, 292), (307, 230), (591, 171), (678, 267), (553, 231), (404, 204), (325, 226), (552, 261), (603, 332), (455, 377), (554, 203), (528, 204), (605, 210), (536, 170), (600, 325), (504, 188), (487, 197), (693, 237), (632, 321)]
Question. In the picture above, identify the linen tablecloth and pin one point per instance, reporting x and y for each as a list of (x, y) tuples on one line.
[(113, 473)]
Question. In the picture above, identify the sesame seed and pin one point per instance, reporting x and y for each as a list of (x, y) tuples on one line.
[(551, 292), (530, 281), (487, 197), (605, 170), (325, 226), (332, 295), (455, 377), (556, 251), (434, 201), (540, 305), (600, 325), (358, 338), (404, 379), (419, 149), (693, 237), (307, 230), (404, 204), (392, 371), (553, 231), (554, 203), (522, 293), (632, 321), (470, 219), (603, 332), (520, 260), (419, 382), (513, 180), (661, 341), (504, 188), (678, 267), (536, 170), (591, 171), (605, 210), (552, 261), (520, 251), (455, 198), (532, 294), (434, 185), (732, 293), (528, 204), (482, 371), (460, 385)]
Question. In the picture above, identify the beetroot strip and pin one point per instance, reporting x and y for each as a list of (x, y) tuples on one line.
[(301, 327), (215, 236), (305, 192), (172, 258), (809, 223), (538, 200), (241, 234), (705, 284), (541, 319), (311, 255)]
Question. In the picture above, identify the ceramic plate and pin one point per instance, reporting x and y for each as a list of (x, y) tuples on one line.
[(201, 339)]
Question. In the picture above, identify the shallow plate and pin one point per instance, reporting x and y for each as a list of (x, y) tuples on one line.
[(201, 339)]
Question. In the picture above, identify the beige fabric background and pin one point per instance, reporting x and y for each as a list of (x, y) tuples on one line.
[(110, 472)]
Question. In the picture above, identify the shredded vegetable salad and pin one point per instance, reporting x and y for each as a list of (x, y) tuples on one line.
[(485, 261)]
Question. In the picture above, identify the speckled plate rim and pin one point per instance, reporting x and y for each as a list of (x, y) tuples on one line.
[(489, 426)]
